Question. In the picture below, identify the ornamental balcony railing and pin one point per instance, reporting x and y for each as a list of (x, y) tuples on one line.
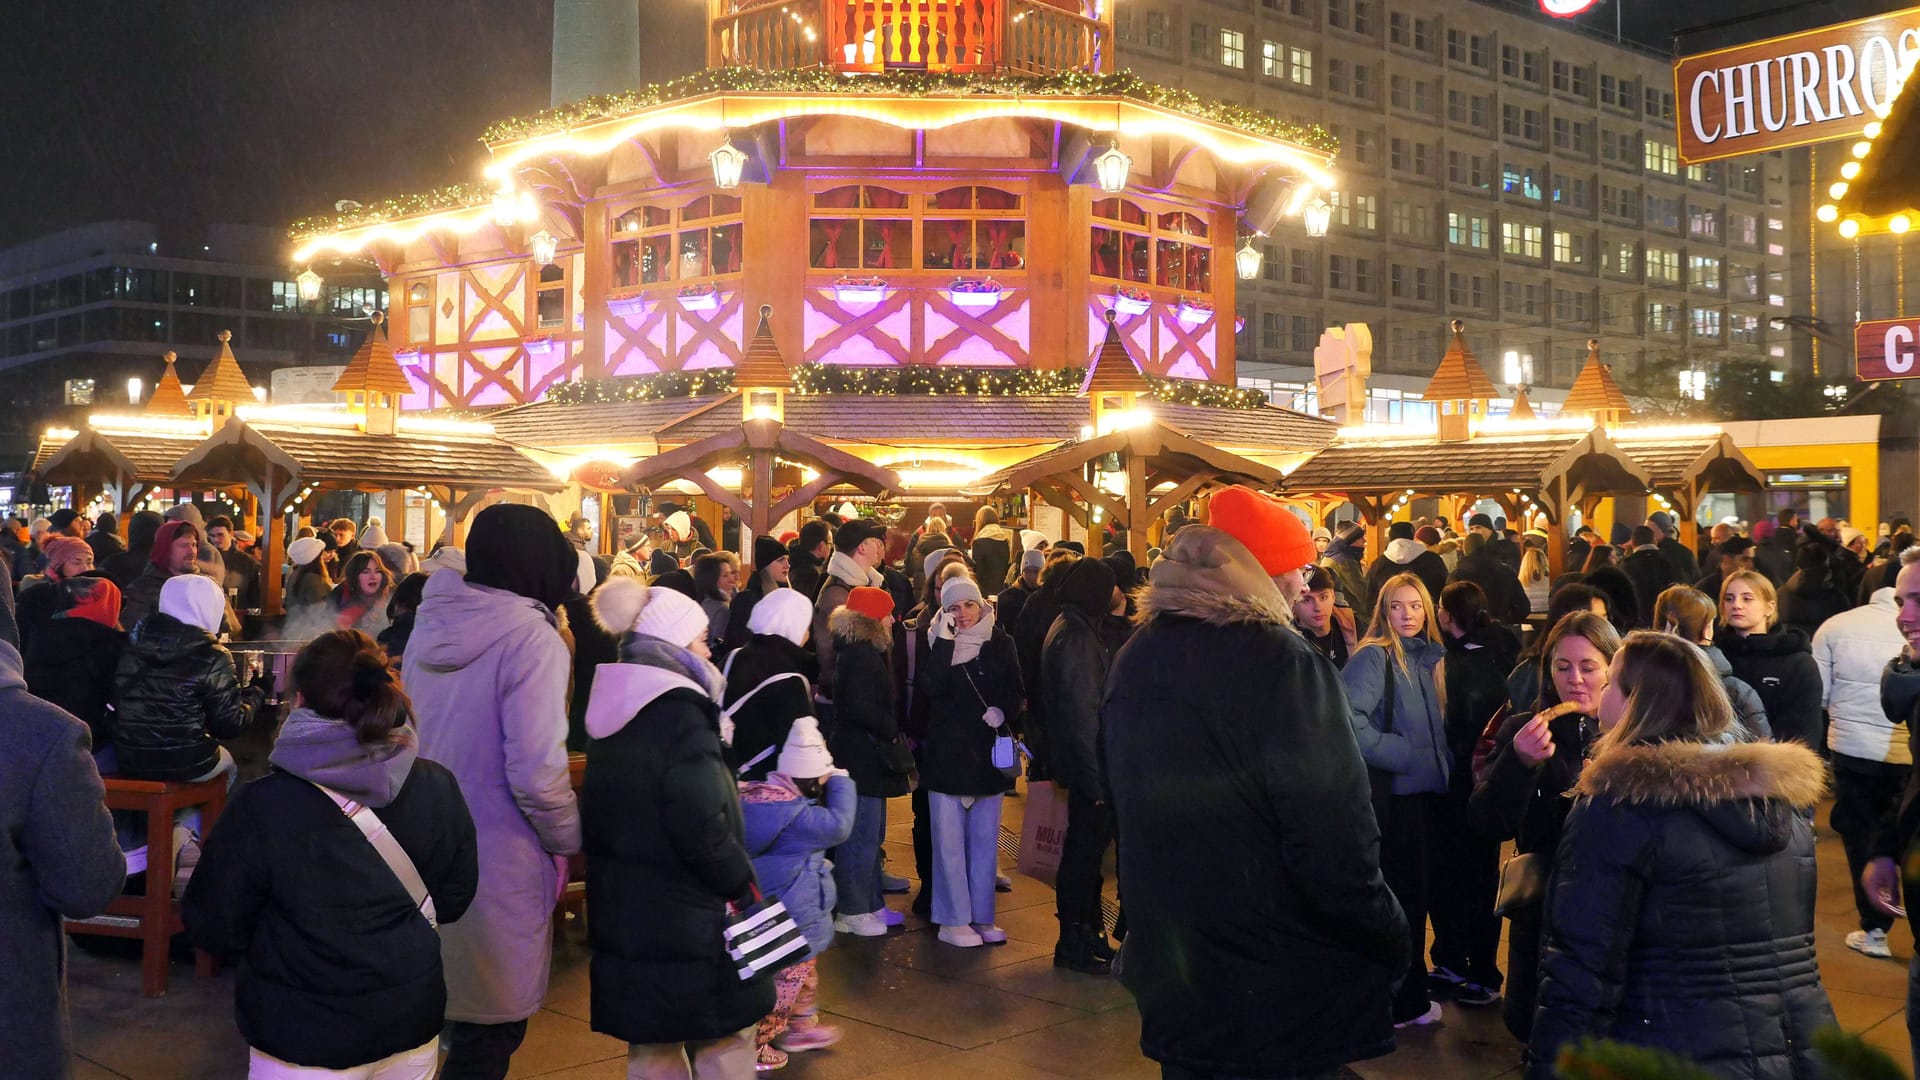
[(1029, 37)]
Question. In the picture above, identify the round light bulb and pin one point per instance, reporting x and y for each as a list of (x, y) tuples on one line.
[(1838, 190), (1850, 170), (1828, 213), (1872, 130), (1900, 223), (1861, 148), (1849, 228)]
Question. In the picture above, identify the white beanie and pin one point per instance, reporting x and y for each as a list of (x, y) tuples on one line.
[(305, 550), (679, 526), (1033, 539), (928, 564), (373, 535), (958, 589), (784, 612), (447, 558), (805, 756), (625, 604), (1033, 559), (194, 600)]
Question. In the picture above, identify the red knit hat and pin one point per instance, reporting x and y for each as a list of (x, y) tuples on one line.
[(873, 603), (1278, 539)]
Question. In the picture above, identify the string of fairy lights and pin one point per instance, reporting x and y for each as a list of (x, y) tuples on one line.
[(902, 381), (450, 197)]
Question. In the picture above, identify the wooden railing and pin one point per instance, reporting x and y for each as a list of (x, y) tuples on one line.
[(870, 36)]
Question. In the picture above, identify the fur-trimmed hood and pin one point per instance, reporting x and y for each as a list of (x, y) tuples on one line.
[(847, 624), (1208, 575), (1720, 781)]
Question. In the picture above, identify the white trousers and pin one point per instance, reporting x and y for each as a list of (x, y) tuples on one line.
[(419, 1063)]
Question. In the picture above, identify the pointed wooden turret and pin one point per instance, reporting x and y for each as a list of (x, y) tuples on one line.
[(762, 379), (169, 397), (1460, 388), (1595, 393), (1522, 408), (222, 387), (1114, 383), (373, 381)]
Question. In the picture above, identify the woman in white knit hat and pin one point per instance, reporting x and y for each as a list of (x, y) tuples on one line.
[(307, 583), (666, 854)]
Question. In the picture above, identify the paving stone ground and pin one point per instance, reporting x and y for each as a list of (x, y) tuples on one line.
[(914, 1008)]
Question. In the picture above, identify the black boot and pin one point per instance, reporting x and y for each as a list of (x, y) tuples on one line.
[(1075, 950), (1097, 942)]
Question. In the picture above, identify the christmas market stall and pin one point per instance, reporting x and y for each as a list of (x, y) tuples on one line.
[(122, 461)]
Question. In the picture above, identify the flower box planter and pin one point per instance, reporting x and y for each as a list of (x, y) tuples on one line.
[(1128, 301), (539, 344), (699, 298), (975, 292), (627, 304), (860, 290), (1193, 309)]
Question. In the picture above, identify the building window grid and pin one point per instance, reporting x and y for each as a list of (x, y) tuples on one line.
[(1233, 49)]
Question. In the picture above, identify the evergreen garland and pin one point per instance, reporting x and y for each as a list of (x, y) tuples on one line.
[(893, 382)]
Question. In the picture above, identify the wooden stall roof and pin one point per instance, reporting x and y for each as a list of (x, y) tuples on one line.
[(1170, 454), (96, 455), (1483, 464), (1267, 426), (348, 458), (553, 425), (1674, 459)]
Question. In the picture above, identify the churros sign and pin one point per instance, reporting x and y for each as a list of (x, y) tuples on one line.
[(1790, 91)]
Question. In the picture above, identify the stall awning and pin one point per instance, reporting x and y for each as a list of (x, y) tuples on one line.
[(1588, 462), (349, 459)]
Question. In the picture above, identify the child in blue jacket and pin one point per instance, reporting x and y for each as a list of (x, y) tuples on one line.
[(788, 834)]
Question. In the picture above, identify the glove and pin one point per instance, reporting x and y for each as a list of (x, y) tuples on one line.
[(943, 625), (994, 716)]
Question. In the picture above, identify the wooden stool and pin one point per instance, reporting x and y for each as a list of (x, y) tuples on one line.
[(573, 901), (154, 918)]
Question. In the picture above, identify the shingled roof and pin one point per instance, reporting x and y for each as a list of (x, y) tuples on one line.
[(1459, 376), (169, 398), (1113, 370), (1674, 459), (94, 455), (762, 365), (348, 459), (1594, 390), (223, 379), (374, 369), (553, 425), (1481, 465)]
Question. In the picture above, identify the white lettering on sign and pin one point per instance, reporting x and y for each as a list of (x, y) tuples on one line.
[(1899, 346)]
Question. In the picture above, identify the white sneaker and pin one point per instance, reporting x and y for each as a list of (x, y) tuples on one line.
[(867, 925), (962, 937), (990, 933), (890, 916), (1431, 1016), (1870, 943)]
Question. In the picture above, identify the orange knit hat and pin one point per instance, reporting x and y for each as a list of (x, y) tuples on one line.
[(873, 603), (1277, 539)]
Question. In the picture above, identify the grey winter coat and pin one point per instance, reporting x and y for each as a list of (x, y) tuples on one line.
[(57, 858), (487, 673), (1415, 750)]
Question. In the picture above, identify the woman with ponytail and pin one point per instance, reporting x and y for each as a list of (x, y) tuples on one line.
[(341, 966)]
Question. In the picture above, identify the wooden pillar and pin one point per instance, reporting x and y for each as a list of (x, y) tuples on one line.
[(595, 278), (272, 547), (760, 494), (1139, 507)]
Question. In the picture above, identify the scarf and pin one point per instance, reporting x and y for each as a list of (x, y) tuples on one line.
[(651, 651), (842, 566), (967, 643), (325, 751)]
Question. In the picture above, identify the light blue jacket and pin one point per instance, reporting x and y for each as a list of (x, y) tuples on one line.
[(1415, 751), (787, 838)]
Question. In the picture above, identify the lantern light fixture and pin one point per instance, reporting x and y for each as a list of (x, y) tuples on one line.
[(309, 283), (1317, 216), (1246, 261), (729, 163), (506, 207), (544, 246), (1112, 168), (134, 387)]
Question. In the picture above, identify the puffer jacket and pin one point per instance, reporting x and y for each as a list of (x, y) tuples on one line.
[(1475, 672), (865, 721), (1852, 651), (666, 852), (1414, 750), (1779, 664), (1074, 664), (761, 722), (1506, 597), (1652, 574), (1680, 912), (1746, 700), (788, 837), (72, 663), (1406, 556), (175, 693), (957, 758)]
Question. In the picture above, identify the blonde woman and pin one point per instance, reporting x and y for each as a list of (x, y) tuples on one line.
[(1681, 905), (1399, 724), (1777, 661), (1688, 612), (1536, 578)]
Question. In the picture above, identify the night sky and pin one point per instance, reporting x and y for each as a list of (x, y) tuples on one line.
[(190, 111)]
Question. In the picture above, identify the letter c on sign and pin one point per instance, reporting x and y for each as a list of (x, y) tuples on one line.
[(1693, 106), (1899, 346)]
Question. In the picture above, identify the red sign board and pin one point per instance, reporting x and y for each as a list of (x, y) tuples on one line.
[(1803, 88), (1887, 349)]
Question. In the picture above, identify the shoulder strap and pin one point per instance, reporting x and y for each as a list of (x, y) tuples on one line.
[(727, 713), (389, 850), (1386, 701)]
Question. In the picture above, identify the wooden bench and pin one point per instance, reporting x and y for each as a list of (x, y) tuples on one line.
[(154, 918)]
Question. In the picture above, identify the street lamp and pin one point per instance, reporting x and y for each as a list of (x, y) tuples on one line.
[(1112, 168), (309, 283), (544, 246), (134, 387), (1246, 261), (1317, 216), (506, 208), (729, 162)]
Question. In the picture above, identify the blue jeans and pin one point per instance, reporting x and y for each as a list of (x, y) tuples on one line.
[(966, 856), (856, 863)]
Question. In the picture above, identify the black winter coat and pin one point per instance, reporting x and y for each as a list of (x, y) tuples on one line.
[(593, 645), (1779, 666), (1685, 566), (175, 693), (1012, 600), (763, 721), (1239, 731), (1430, 568), (957, 757), (740, 612), (866, 725), (71, 663), (1623, 599), (34, 608), (105, 545), (1680, 913), (1029, 641), (1807, 601), (666, 851), (804, 572), (340, 968), (1774, 556), (1074, 664), (1506, 597), (1475, 675), (1507, 552), (1651, 574)]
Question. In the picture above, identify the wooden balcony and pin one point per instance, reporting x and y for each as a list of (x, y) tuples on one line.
[(962, 37)]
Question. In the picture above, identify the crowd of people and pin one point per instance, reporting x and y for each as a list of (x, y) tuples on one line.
[(1305, 757)]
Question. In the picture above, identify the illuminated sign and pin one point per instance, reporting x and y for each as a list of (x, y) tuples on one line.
[(1886, 349), (1566, 9), (1803, 88)]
